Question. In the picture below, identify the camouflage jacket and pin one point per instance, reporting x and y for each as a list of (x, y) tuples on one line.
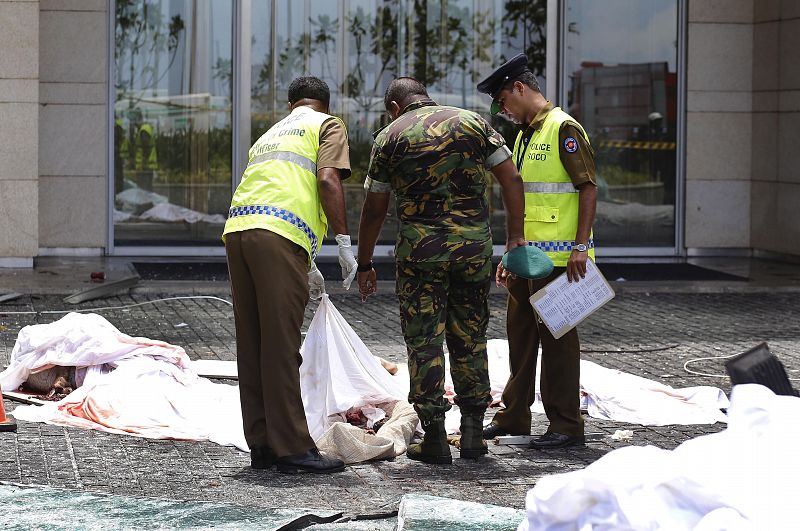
[(434, 159)]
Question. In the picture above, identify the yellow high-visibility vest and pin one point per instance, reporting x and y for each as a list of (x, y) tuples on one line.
[(124, 145), (279, 190), (551, 200), (148, 161)]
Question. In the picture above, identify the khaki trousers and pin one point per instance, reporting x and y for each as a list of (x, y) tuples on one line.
[(560, 371), (269, 283)]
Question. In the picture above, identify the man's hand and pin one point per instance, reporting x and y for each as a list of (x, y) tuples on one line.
[(367, 284), (316, 282), (515, 242), (502, 276), (576, 265), (346, 260)]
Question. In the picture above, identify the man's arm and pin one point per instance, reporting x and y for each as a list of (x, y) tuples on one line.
[(333, 166), (587, 205), (514, 200), (331, 196), (376, 205), (578, 161)]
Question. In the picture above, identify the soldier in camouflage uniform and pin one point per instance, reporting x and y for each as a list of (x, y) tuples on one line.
[(434, 158)]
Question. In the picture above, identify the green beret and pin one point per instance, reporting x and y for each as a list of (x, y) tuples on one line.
[(528, 261)]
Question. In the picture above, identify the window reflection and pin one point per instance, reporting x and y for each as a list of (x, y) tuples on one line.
[(172, 121), (623, 89), (173, 109), (358, 46)]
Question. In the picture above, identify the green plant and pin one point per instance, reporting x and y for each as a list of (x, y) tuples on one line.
[(617, 176)]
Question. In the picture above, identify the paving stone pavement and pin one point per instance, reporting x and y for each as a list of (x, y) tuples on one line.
[(646, 334)]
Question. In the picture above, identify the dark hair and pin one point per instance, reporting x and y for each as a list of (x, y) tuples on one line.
[(309, 87), (526, 78), (401, 89)]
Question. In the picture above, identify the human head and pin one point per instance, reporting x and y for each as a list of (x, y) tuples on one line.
[(401, 92), (512, 78), (516, 98), (307, 90)]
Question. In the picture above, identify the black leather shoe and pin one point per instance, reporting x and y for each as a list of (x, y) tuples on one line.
[(556, 440), (312, 461), (262, 458), (494, 430)]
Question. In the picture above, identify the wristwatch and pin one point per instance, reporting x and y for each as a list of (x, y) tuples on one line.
[(364, 268), (580, 247)]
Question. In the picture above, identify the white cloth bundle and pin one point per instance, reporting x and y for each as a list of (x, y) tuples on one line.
[(742, 478)]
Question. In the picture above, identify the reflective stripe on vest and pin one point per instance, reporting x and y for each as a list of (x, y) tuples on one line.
[(549, 188), (551, 200), (305, 163), (278, 191), (285, 215)]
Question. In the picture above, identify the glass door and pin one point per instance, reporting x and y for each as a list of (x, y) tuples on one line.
[(622, 86), (172, 152), (175, 62)]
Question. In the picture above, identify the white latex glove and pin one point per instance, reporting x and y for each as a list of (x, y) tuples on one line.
[(316, 282), (346, 260)]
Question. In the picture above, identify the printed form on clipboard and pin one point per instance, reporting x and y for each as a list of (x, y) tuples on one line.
[(562, 305)]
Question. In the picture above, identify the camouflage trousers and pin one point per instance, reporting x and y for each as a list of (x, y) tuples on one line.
[(445, 301)]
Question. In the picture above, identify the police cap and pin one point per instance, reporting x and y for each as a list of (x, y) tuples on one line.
[(494, 82)]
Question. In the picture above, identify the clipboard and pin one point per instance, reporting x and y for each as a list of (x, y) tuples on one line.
[(562, 305)]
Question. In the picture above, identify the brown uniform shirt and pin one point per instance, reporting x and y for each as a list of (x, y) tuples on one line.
[(580, 163), (334, 152)]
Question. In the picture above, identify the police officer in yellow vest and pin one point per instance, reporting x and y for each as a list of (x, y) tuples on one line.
[(146, 156), (556, 163), (289, 194)]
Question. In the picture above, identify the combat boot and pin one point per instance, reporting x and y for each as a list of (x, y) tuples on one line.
[(472, 443), (434, 448)]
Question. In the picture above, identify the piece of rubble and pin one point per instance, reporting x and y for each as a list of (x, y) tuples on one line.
[(100, 291), (430, 513), (622, 435), (10, 296)]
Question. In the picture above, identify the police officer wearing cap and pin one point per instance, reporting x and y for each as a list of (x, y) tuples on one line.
[(556, 162)]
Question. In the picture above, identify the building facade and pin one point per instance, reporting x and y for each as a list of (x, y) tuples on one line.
[(126, 124)]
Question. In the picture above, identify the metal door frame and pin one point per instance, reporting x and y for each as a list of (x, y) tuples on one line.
[(556, 62)]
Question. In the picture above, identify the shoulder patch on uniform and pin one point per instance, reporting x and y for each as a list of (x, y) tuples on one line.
[(570, 144)]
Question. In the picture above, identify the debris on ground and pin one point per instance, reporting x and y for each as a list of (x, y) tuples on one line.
[(421, 512), (37, 507), (106, 289), (10, 296), (622, 435)]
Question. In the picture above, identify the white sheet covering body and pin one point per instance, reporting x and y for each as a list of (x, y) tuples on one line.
[(745, 477), (153, 392), (80, 340), (339, 372), (614, 395)]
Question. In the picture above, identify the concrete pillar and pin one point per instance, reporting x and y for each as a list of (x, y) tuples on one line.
[(775, 188), (19, 132), (73, 127), (719, 124)]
